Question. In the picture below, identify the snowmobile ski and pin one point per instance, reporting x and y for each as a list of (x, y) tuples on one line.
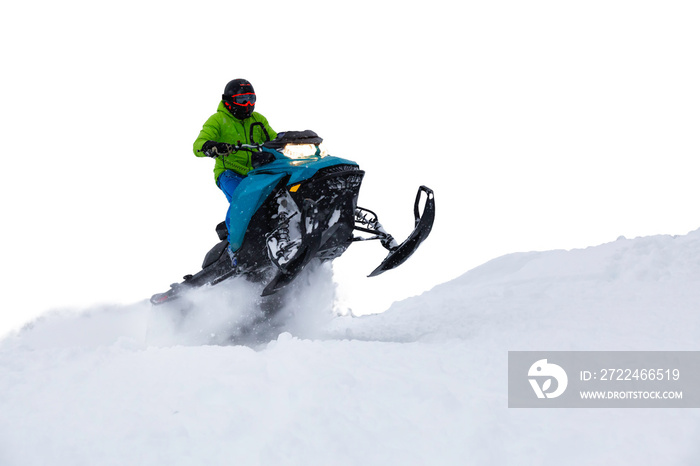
[(423, 225)]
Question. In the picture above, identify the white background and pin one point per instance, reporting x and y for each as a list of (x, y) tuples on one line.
[(539, 125)]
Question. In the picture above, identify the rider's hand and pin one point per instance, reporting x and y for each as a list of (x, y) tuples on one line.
[(215, 149)]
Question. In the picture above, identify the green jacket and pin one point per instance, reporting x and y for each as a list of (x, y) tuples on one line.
[(224, 127)]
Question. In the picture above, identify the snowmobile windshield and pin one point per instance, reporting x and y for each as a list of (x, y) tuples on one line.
[(303, 151)]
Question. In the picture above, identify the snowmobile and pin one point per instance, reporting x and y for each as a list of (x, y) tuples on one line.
[(298, 204)]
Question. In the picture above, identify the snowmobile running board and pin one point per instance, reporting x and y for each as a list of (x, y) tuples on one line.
[(398, 253)]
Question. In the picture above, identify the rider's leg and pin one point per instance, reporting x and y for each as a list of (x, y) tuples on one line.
[(228, 182)]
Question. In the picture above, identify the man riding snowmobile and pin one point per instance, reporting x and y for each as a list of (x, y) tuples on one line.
[(234, 123), (291, 202)]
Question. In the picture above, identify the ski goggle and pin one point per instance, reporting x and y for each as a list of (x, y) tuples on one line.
[(241, 99)]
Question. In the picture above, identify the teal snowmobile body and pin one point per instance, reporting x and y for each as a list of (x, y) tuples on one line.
[(261, 182), (294, 207)]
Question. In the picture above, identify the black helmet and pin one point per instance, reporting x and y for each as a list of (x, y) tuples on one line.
[(239, 98)]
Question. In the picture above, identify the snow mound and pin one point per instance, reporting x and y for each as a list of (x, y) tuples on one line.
[(423, 383), (639, 294)]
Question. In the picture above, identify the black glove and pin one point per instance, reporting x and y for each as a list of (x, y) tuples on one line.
[(215, 149), (258, 159)]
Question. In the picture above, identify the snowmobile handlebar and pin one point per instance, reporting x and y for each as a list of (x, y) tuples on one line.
[(258, 157), (248, 147), (231, 148)]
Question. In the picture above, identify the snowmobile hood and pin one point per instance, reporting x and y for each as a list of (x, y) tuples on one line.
[(299, 170), (260, 182)]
